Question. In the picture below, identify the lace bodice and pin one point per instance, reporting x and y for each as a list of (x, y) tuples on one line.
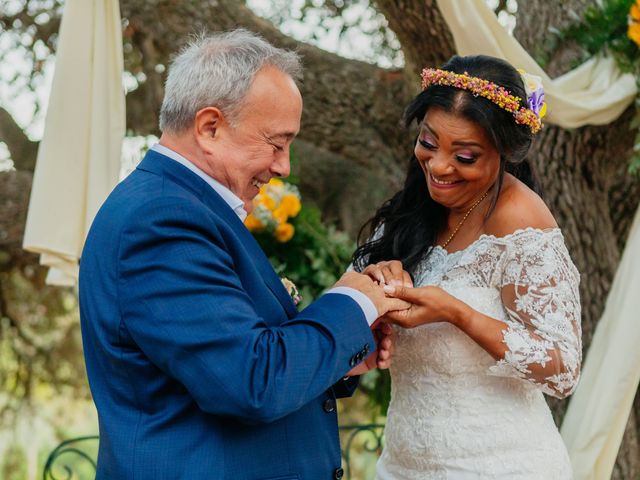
[(537, 283), (456, 412)]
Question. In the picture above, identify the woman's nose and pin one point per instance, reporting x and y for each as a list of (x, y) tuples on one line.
[(439, 165)]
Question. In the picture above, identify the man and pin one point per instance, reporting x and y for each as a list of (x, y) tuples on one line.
[(199, 363)]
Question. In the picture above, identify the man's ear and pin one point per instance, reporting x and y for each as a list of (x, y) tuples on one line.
[(207, 124)]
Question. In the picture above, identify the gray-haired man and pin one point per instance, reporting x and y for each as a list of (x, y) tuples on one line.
[(199, 363)]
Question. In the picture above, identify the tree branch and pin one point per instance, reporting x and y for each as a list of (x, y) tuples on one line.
[(422, 32), (23, 151)]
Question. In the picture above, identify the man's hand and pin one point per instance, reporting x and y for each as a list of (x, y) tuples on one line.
[(381, 358), (364, 283)]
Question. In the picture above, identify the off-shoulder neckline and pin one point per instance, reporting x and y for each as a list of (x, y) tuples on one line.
[(501, 239)]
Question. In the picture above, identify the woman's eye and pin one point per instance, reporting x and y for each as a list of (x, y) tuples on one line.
[(427, 145), (465, 159), (278, 148)]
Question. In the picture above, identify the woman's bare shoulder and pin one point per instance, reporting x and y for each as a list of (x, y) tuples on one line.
[(518, 207)]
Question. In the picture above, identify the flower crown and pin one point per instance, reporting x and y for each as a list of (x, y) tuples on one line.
[(531, 117)]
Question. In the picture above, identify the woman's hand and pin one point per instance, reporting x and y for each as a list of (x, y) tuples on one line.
[(428, 305), (389, 273)]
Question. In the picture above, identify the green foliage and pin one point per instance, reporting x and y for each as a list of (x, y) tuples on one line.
[(603, 29), (316, 256)]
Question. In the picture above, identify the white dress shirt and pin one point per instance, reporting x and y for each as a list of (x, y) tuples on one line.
[(366, 305)]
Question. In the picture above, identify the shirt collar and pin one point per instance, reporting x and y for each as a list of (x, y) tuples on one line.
[(227, 195)]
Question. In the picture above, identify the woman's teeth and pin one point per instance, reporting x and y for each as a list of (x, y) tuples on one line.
[(442, 182)]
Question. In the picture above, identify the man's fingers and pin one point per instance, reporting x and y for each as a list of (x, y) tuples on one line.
[(398, 317), (383, 364), (393, 304), (386, 329)]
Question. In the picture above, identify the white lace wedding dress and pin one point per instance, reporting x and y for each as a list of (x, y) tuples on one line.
[(455, 412)]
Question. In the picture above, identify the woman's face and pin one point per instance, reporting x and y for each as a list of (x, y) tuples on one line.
[(459, 160)]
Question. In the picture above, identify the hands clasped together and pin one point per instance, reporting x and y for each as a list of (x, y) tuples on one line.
[(391, 290)]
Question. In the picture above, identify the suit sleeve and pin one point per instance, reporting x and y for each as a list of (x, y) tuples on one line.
[(346, 387), (184, 306)]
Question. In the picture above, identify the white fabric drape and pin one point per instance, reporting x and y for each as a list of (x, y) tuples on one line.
[(594, 93), (599, 409), (79, 156)]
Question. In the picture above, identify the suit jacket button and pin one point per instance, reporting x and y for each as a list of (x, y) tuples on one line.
[(338, 473), (329, 405)]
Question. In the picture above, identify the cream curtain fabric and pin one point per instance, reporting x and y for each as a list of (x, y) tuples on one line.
[(595, 93), (599, 409), (79, 156)]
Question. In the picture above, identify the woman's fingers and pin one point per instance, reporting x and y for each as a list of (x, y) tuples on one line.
[(388, 273), (375, 273)]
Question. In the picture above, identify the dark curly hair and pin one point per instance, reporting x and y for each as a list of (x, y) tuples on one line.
[(411, 218)]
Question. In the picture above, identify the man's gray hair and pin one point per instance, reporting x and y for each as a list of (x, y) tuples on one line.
[(217, 71)]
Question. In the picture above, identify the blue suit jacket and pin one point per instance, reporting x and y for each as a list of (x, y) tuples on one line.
[(199, 363)]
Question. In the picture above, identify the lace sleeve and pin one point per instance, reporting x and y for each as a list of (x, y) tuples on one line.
[(539, 290)]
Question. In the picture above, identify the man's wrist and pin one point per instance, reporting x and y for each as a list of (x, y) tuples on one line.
[(369, 310)]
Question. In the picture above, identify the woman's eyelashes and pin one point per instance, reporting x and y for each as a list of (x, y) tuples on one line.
[(464, 157), (427, 144)]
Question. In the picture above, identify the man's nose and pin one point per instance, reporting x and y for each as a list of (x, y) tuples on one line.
[(282, 166)]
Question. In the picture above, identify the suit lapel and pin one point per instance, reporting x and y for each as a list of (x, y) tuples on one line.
[(271, 279), (157, 163)]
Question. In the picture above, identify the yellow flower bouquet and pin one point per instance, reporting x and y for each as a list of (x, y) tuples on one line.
[(276, 203), (297, 242)]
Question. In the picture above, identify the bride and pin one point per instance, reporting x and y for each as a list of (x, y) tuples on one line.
[(496, 306)]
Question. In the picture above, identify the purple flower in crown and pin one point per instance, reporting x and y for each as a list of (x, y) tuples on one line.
[(536, 101), (535, 93)]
